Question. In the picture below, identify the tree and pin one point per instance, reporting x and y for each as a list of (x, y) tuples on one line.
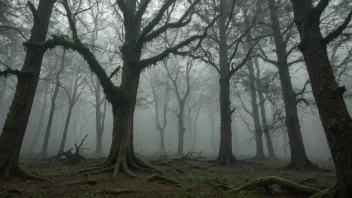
[(41, 119), (53, 105), (123, 97), (265, 125), (299, 159), (227, 41), (253, 89), (17, 118), (181, 99), (97, 15), (73, 94), (160, 123), (327, 93)]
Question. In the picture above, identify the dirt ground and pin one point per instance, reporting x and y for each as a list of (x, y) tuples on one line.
[(195, 178)]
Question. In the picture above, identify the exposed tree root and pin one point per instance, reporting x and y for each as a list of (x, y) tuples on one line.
[(117, 191), (13, 170), (221, 186), (225, 161), (162, 179), (122, 163), (89, 181), (259, 158), (284, 184), (304, 166), (336, 191), (179, 170)]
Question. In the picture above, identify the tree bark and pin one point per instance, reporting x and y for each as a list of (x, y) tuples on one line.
[(41, 120), (162, 142), (67, 122), (195, 130), (17, 118), (53, 106), (255, 111), (189, 126), (299, 159), (212, 128), (181, 128), (98, 120), (2, 92), (266, 131), (225, 152), (327, 93)]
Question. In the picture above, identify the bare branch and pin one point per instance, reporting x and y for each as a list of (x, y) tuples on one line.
[(147, 29), (115, 71), (174, 50), (165, 27), (34, 12), (295, 61), (303, 89), (244, 61), (122, 7), (142, 9), (244, 106), (338, 31), (93, 63), (320, 7), (5, 27), (231, 15)]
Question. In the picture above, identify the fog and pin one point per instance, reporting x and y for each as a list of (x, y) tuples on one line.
[(128, 79)]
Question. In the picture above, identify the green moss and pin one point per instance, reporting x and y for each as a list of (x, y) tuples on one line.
[(271, 180), (327, 193), (117, 191), (89, 181), (163, 179), (9, 192)]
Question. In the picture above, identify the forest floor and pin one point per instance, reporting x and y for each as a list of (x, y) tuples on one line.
[(193, 178)]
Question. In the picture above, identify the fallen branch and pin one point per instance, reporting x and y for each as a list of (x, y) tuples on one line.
[(72, 158), (162, 179)]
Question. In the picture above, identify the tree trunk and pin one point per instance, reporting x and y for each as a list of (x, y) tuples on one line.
[(122, 156), (162, 142), (98, 121), (299, 159), (181, 129), (17, 118), (255, 111), (41, 120), (212, 127), (67, 123), (195, 130), (266, 131), (328, 96), (2, 92), (189, 126), (53, 106), (99, 145), (225, 152)]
